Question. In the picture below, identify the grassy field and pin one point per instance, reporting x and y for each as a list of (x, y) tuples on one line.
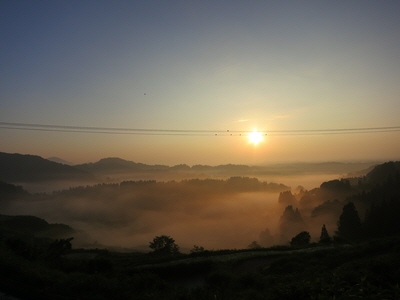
[(369, 270)]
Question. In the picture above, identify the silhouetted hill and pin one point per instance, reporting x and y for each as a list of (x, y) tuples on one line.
[(383, 172), (360, 173), (226, 168), (60, 160), (9, 191), (336, 185), (114, 165), (31, 168), (117, 165), (31, 225)]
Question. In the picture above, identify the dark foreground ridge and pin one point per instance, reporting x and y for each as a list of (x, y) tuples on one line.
[(368, 270)]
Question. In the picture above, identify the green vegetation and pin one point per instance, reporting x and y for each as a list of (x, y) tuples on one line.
[(324, 237), (369, 270), (301, 240), (164, 245)]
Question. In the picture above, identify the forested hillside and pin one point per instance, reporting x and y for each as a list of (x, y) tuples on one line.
[(31, 168)]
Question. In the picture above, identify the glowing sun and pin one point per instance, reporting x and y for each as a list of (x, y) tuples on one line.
[(255, 137)]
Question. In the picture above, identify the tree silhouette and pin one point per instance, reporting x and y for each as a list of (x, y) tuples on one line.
[(164, 245), (287, 198), (197, 249), (349, 224), (254, 245), (59, 248), (324, 238), (291, 222), (337, 185), (302, 239)]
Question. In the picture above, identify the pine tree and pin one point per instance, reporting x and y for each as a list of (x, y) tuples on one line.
[(287, 198), (349, 225), (324, 238), (291, 223)]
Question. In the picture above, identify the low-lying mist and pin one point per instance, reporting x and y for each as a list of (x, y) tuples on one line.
[(212, 213), (119, 203)]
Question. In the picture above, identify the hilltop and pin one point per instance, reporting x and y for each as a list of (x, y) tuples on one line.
[(32, 168), (34, 171)]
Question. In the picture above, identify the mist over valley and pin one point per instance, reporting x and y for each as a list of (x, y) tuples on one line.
[(119, 203), (194, 235)]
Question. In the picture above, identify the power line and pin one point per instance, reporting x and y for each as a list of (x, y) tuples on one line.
[(28, 125), (115, 130), (392, 128), (332, 133), (190, 132), (103, 132)]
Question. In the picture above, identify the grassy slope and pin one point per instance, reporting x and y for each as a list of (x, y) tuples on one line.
[(370, 271)]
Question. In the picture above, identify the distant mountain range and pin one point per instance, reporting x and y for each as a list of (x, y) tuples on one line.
[(114, 165), (31, 168), (17, 168), (118, 166), (60, 161)]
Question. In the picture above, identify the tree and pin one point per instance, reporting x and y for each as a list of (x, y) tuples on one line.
[(254, 245), (349, 224), (197, 249), (287, 198), (59, 247), (302, 239), (336, 185), (164, 245), (324, 238), (291, 223)]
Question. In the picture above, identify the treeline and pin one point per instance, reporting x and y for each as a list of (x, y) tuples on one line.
[(55, 271), (369, 208), (231, 185), (22, 226)]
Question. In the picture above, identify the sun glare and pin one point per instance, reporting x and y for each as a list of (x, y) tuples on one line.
[(255, 137)]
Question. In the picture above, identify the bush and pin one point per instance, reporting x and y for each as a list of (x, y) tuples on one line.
[(302, 239)]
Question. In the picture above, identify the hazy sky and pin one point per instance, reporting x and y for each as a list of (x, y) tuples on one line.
[(201, 65)]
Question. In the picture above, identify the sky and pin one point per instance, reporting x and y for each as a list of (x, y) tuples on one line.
[(284, 68)]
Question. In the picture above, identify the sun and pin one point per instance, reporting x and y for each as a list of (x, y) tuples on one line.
[(255, 137)]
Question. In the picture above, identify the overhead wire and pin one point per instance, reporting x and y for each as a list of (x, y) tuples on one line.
[(189, 132)]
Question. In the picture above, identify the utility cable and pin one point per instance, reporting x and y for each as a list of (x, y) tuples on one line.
[(191, 132)]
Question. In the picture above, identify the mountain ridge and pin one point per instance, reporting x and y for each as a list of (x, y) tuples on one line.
[(115, 165), (60, 160), (17, 167)]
